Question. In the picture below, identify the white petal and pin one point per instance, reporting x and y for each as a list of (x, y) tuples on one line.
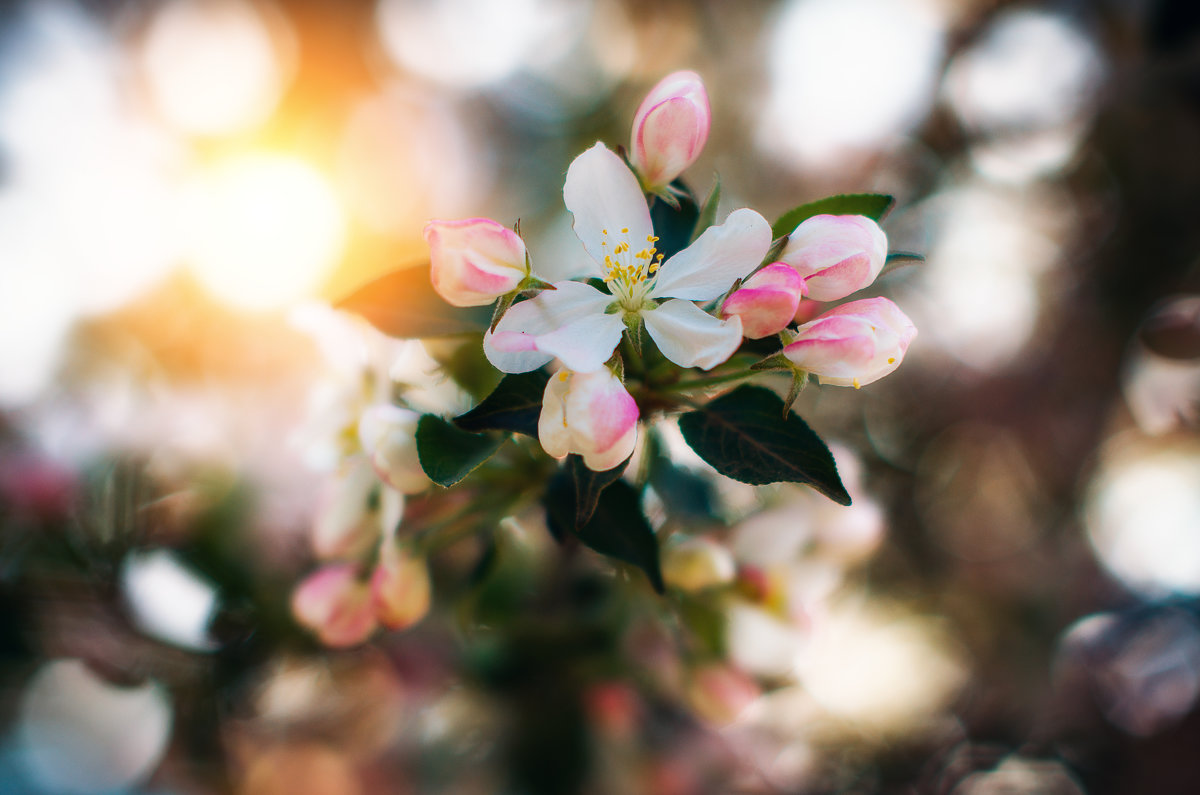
[(519, 331), (603, 194), (690, 337), (708, 267), (585, 345), (552, 422)]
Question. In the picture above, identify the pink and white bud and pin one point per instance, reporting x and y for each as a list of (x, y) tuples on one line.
[(335, 604), (767, 301), (853, 344), (400, 587), (698, 563), (836, 254), (590, 414), (670, 129), (475, 261), (388, 435)]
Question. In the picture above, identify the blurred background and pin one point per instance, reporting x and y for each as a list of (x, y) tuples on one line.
[(176, 178)]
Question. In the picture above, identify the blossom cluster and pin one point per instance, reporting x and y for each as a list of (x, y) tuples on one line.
[(696, 304)]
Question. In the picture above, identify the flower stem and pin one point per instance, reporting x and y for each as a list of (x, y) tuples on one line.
[(702, 383)]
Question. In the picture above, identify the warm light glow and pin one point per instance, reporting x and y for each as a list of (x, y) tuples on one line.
[(88, 209), (469, 43), (405, 158), (215, 67), (878, 669), (848, 74), (265, 230), (1143, 514)]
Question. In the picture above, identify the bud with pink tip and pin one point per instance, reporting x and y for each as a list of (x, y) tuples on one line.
[(670, 129), (767, 301), (853, 344), (475, 261), (836, 254), (400, 587), (590, 414), (335, 604)]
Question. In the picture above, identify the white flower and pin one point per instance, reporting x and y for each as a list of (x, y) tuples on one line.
[(581, 325)]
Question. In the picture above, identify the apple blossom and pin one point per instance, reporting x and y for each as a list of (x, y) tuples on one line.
[(474, 261), (590, 414), (400, 587), (581, 325), (836, 254), (348, 517), (387, 434), (767, 301), (336, 604), (669, 129), (853, 344)]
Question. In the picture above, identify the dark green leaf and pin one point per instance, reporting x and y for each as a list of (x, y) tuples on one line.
[(708, 212), (899, 259), (872, 205), (448, 454), (617, 527), (674, 227), (745, 436), (404, 304), (589, 486), (514, 405)]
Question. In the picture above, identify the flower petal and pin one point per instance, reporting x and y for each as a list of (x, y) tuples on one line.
[(603, 194), (514, 348), (585, 345), (690, 337), (708, 267)]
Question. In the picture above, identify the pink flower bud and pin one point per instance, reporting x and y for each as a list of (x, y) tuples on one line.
[(670, 128), (836, 254), (335, 604), (767, 301), (853, 344), (388, 436), (475, 261), (590, 414), (400, 587)]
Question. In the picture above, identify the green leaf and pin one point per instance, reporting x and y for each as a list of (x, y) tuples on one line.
[(514, 405), (708, 211), (872, 205), (617, 528), (590, 485), (448, 454), (404, 304), (744, 435), (674, 226)]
